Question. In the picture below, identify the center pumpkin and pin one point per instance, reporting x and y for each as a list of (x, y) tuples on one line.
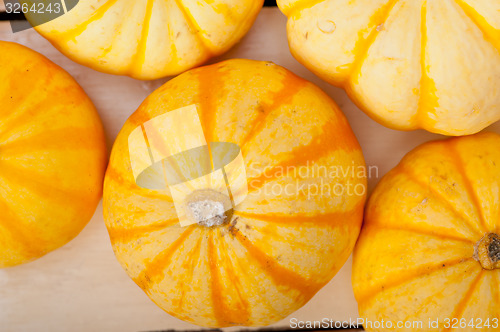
[(278, 247)]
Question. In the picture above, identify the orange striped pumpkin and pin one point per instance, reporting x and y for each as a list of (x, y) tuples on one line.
[(430, 247), (278, 248), (147, 39), (52, 156)]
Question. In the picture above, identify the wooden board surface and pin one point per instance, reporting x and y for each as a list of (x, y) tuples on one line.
[(81, 287)]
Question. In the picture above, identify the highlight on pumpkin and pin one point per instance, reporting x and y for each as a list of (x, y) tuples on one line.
[(170, 152), (190, 201)]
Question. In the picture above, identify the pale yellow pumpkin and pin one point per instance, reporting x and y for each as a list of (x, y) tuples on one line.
[(52, 156), (408, 64), (148, 39), (277, 248), (429, 249)]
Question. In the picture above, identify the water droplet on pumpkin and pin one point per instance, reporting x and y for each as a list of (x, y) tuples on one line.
[(327, 26)]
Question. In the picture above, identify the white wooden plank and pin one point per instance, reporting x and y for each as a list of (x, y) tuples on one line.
[(81, 287)]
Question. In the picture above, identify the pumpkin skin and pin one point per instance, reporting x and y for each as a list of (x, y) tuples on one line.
[(415, 258), (431, 65), (148, 39), (276, 251), (52, 156)]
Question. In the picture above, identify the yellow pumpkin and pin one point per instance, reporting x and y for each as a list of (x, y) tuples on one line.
[(278, 246), (148, 39), (408, 64), (52, 156), (429, 250)]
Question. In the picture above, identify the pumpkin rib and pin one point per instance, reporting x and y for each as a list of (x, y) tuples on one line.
[(280, 98), (332, 219), (125, 235), (300, 5), (458, 163), (140, 55), (194, 25), (280, 275), (113, 175), (80, 28), (194, 256), (301, 155), (494, 288), (223, 313), (362, 47), (243, 311), (211, 86), (481, 23), (460, 307), (407, 276), (155, 267), (419, 231), (31, 244), (444, 202), (32, 183), (427, 95), (48, 140)]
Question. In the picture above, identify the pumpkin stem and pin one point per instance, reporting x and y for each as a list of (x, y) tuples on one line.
[(487, 251), (208, 208)]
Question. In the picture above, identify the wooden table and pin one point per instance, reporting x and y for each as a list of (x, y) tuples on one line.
[(81, 287)]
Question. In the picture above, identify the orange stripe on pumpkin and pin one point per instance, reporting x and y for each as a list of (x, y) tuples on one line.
[(190, 20), (80, 28), (211, 88), (194, 256), (140, 54), (154, 270), (444, 201), (332, 219), (21, 233), (332, 138), (363, 45), (281, 276), (292, 85), (134, 232), (113, 175), (407, 276), (459, 166), (490, 33), (461, 306), (428, 101), (34, 183), (68, 138), (300, 5), (225, 314)]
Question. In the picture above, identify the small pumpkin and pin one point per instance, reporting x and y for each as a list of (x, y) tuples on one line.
[(409, 65), (429, 250), (52, 156), (277, 247), (148, 39)]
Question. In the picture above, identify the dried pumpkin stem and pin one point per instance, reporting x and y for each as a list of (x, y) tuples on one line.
[(208, 208), (487, 251)]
